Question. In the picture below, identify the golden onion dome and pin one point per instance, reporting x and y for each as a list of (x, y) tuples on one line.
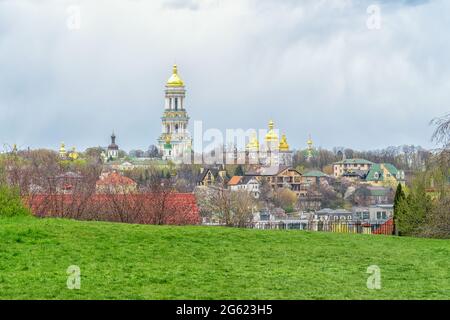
[(254, 143), (271, 135), (62, 149), (309, 142), (175, 80), (284, 146), (73, 154)]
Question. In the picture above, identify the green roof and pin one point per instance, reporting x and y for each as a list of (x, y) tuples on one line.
[(376, 168), (354, 161), (379, 192), (314, 173)]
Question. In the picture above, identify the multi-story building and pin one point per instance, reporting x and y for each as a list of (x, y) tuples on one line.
[(351, 165), (280, 177)]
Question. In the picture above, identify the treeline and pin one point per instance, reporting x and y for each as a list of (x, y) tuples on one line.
[(408, 158)]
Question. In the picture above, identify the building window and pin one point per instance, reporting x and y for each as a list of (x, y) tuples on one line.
[(365, 215), (176, 103)]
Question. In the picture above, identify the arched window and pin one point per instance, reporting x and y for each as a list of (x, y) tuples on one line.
[(176, 126)]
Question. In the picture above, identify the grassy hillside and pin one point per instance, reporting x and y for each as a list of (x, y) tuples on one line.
[(162, 262)]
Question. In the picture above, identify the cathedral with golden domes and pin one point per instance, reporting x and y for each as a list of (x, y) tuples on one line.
[(273, 152), (175, 141)]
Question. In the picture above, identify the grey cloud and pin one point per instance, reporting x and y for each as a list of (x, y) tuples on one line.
[(312, 66)]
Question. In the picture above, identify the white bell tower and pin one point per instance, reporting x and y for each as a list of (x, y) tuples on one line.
[(175, 119)]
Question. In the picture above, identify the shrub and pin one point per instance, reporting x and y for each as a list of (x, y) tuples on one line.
[(10, 203)]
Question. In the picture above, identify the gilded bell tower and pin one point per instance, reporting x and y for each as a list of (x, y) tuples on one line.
[(175, 120)]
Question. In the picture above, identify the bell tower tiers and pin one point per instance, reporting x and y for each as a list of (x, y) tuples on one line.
[(175, 119)]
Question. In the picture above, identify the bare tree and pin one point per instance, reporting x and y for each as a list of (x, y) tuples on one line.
[(442, 131), (242, 205)]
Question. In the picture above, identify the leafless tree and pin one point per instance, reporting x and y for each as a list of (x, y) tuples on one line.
[(442, 131)]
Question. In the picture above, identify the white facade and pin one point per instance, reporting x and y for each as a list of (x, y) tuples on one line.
[(175, 142)]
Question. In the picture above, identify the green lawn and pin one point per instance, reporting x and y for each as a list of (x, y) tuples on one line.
[(120, 261)]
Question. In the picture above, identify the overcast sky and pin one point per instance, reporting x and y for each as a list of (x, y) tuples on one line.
[(314, 67)]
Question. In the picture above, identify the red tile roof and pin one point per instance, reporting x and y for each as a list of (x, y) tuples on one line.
[(115, 178), (234, 180)]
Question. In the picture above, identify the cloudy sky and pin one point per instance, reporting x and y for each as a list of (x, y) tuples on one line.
[(312, 66)]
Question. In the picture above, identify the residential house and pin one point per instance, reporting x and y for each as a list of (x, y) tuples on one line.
[(315, 177), (280, 177), (385, 174), (350, 165), (212, 176), (247, 183)]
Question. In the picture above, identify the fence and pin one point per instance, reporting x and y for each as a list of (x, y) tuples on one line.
[(386, 228)]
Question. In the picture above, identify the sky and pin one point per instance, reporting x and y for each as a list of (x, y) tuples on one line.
[(339, 70)]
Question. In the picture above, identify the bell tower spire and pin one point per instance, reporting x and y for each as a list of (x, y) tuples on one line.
[(175, 119)]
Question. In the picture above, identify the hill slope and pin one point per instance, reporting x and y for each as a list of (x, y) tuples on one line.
[(161, 262)]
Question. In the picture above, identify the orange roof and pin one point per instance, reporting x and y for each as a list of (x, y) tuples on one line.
[(234, 180), (115, 179)]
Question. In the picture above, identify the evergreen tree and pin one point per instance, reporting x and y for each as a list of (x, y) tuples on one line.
[(400, 206), (239, 171)]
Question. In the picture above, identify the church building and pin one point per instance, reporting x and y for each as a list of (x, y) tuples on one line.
[(113, 149), (274, 151), (175, 141)]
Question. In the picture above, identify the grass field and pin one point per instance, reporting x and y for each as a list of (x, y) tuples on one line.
[(120, 261)]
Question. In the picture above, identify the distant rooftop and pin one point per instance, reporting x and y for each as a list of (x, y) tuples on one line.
[(354, 161), (315, 173)]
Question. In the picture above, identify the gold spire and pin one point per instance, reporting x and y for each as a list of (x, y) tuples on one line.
[(271, 135), (175, 80), (284, 146), (62, 151), (253, 145), (309, 142)]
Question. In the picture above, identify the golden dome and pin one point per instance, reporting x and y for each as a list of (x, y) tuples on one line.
[(284, 146), (175, 80), (73, 154), (309, 142), (271, 135), (254, 143), (62, 149)]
